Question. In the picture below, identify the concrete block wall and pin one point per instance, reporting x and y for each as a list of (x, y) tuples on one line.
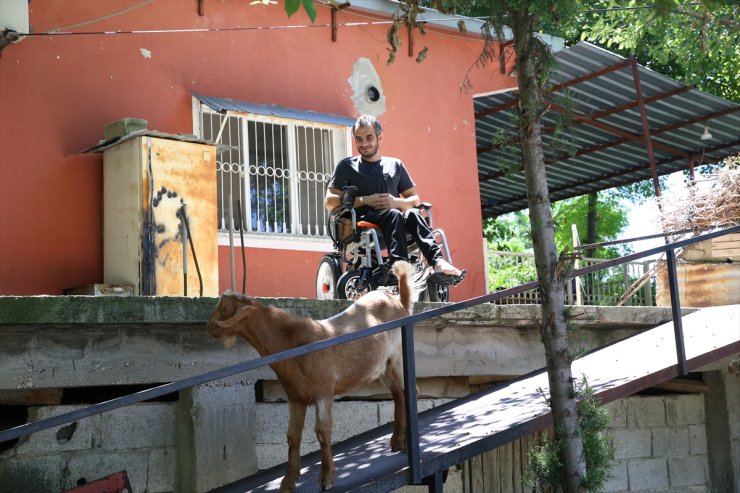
[(350, 418), (659, 445), (140, 439)]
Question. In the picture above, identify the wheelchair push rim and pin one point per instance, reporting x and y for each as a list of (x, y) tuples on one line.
[(436, 293), (348, 286)]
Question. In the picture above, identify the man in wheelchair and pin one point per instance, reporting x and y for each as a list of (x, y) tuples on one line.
[(375, 192)]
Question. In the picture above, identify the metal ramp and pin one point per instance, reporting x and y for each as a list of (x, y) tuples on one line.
[(464, 428)]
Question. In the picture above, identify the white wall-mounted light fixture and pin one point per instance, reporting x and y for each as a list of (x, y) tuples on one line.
[(706, 135)]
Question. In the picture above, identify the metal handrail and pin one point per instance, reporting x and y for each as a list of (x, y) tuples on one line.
[(414, 458)]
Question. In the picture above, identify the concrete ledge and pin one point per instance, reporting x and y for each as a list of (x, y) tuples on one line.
[(49, 342), (126, 310)]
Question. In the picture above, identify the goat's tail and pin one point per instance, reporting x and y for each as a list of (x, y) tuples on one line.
[(403, 271)]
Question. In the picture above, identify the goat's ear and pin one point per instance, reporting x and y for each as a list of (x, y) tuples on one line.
[(237, 317)]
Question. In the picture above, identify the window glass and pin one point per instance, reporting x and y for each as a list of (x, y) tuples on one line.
[(275, 171)]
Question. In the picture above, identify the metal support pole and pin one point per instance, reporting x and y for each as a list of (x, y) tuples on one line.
[(412, 418), (576, 246), (231, 241), (648, 289), (435, 482), (676, 312), (645, 126), (183, 218)]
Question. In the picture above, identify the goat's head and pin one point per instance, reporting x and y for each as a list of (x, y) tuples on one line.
[(231, 309)]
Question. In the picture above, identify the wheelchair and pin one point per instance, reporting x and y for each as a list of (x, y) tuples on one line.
[(357, 265)]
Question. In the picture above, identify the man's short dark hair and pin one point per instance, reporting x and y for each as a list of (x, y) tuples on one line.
[(366, 121)]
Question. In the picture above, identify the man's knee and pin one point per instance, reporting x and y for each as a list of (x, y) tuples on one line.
[(395, 216), (414, 220)]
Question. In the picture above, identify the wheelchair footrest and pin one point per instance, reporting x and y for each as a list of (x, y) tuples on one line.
[(446, 279)]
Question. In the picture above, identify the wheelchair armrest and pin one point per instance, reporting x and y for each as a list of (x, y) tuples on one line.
[(339, 230), (426, 208)]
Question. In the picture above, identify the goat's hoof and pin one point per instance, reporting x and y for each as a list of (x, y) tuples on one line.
[(287, 485), (327, 480), (398, 444)]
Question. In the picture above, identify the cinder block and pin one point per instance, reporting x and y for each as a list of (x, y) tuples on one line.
[(617, 413), (684, 410), (353, 418), (162, 467), (350, 418), (386, 408), (123, 127), (697, 439), (671, 442), (31, 473), (216, 423), (645, 412), (77, 435), (271, 455), (271, 425), (630, 444), (688, 471), (144, 425), (647, 474), (619, 480)]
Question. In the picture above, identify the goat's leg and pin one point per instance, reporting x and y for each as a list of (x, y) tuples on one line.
[(323, 433), (295, 430), (392, 379)]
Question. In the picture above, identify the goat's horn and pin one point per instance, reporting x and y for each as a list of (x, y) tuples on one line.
[(237, 317)]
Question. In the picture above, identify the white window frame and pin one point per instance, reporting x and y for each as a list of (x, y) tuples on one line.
[(342, 145)]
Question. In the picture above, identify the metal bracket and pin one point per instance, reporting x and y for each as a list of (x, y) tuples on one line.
[(334, 9)]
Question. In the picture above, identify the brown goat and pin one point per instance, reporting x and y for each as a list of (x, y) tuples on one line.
[(315, 378)]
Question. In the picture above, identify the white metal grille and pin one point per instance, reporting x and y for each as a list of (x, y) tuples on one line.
[(278, 169)]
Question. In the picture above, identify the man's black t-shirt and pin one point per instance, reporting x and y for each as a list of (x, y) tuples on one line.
[(388, 175)]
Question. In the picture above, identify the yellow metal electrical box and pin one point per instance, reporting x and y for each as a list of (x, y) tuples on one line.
[(146, 182)]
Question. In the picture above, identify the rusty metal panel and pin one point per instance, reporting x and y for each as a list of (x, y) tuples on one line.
[(701, 284), (146, 182), (183, 172), (115, 483)]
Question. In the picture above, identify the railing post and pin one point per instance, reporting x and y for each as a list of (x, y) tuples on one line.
[(435, 482), (676, 312), (648, 288), (577, 280), (412, 417)]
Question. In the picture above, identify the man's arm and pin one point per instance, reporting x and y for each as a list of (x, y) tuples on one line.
[(333, 199), (409, 198)]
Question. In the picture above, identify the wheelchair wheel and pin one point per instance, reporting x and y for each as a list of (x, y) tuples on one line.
[(327, 276), (348, 286), (436, 293)]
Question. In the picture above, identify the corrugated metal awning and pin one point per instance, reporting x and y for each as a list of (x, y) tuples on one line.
[(603, 147), (227, 104)]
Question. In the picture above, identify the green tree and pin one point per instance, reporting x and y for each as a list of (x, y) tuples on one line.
[(692, 42), (532, 64)]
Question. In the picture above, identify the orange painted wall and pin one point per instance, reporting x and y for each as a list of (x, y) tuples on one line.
[(57, 92)]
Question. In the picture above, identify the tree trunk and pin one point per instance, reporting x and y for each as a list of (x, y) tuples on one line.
[(552, 284), (591, 220)]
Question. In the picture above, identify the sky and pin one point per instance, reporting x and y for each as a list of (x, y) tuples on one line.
[(644, 220)]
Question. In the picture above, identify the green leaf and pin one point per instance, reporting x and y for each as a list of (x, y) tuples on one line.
[(310, 9), (292, 6)]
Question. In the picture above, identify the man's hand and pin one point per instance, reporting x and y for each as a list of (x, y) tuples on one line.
[(380, 201)]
